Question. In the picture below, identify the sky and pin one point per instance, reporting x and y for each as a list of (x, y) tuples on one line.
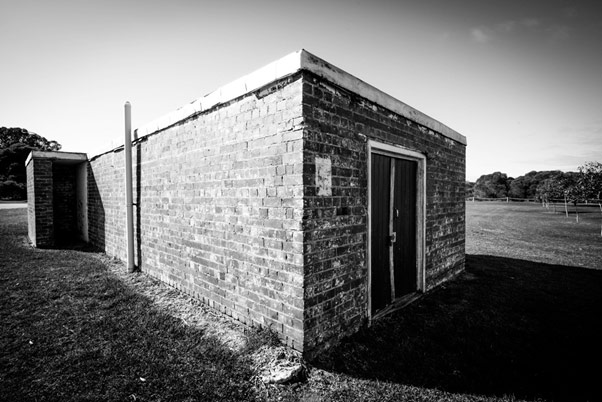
[(521, 80)]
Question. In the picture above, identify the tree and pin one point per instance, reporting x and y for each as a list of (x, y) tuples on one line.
[(567, 183), (590, 182), (549, 190), (15, 135), (527, 186), (573, 191), (15, 145), (469, 189), (494, 185), (518, 187)]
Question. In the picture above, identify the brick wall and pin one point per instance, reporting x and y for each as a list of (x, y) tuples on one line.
[(31, 203), (106, 203), (40, 203), (338, 125), (220, 207), (233, 208)]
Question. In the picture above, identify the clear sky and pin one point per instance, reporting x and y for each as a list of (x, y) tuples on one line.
[(522, 80)]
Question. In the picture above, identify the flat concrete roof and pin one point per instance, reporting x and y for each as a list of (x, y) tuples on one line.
[(64, 158), (290, 64)]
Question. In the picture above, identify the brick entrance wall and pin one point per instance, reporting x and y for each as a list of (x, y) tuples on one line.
[(338, 125), (52, 198), (40, 203)]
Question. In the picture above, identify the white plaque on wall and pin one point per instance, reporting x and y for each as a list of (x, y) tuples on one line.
[(323, 176)]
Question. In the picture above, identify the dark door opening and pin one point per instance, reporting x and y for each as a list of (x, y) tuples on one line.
[(393, 229)]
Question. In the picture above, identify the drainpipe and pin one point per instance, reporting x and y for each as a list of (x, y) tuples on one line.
[(128, 187)]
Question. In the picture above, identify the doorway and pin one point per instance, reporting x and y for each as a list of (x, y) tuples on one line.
[(396, 214)]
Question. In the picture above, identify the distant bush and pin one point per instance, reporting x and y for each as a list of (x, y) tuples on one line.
[(15, 144), (11, 190), (494, 185)]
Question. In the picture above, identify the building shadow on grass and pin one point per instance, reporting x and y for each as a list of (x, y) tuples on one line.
[(503, 327), (91, 336)]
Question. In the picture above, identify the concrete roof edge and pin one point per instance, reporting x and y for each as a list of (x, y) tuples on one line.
[(288, 65), (57, 155), (348, 81), (29, 158)]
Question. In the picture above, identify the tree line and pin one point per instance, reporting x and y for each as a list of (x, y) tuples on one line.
[(583, 185), (15, 144)]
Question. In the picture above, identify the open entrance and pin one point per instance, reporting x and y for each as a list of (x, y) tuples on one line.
[(70, 202), (57, 197), (396, 220)]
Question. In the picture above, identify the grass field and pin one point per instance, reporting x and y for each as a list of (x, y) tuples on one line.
[(73, 328), (522, 322), (530, 232)]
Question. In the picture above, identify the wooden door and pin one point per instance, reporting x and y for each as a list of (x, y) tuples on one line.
[(392, 229), (379, 231)]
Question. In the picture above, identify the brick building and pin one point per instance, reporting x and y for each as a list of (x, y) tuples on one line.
[(56, 198), (298, 197)]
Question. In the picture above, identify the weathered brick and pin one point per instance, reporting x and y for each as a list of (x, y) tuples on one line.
[(230, 210), (232, 156), (327, 136), (40, 199)]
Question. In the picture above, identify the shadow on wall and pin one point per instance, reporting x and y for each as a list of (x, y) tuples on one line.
[(96, 213), (503, 327)]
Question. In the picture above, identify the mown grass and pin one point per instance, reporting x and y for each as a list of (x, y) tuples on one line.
[(522, 322), (72, 331), (505, 327), (528, 231)]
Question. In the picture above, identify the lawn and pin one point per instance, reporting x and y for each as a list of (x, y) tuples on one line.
[(73, 327), (522, 322), (528, 231)]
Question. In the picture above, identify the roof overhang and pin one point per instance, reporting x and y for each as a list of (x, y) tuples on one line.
[(61, 158)]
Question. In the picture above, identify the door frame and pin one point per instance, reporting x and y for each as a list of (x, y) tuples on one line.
[(399, 152)]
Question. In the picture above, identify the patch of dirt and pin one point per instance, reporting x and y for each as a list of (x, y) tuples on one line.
[(275, 366)]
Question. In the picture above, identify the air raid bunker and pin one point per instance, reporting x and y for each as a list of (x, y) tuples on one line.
[(298, 198)]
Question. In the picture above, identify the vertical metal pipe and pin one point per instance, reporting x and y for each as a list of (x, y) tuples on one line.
[(128, 187)]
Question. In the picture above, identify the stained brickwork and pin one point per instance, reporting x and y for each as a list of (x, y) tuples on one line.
[(338, 124), (259, 205), (40, 202), (220, 206)]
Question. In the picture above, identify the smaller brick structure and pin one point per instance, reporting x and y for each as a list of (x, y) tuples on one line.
[(56, 198)]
